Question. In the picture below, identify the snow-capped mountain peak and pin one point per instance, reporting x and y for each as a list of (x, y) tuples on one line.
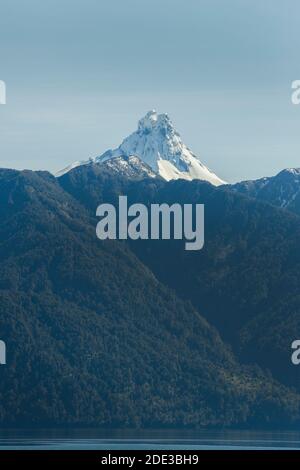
[(148, 122), (157, 143)]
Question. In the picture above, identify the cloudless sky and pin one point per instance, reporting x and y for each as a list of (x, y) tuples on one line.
[(80, 73)]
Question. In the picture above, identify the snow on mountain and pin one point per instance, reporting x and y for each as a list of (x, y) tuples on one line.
[(73, 165), (158, 145), (131, 167), (281, 190)]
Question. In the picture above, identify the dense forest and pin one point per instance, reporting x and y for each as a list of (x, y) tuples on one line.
[(97, 335), (245, 280)]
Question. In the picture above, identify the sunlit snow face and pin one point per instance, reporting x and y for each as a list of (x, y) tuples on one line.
[(157, 143)]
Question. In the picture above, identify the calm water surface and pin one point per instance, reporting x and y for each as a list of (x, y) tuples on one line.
[(91, 439)]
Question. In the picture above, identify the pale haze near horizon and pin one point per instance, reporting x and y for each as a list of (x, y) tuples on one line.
[(80, 74)]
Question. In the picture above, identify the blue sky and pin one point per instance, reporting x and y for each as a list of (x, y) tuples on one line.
[(80, 73)]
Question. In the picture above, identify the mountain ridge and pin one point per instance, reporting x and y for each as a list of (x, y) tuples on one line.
[(157, 143), (282, 190), (95, 339)]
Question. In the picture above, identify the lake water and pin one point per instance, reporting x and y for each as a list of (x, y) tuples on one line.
[(91, 439)]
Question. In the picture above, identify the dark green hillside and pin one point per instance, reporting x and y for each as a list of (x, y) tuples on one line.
[(94, 339), (245, 280)]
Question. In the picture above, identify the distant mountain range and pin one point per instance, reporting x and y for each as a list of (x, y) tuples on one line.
[(282, 190), (143, 333), (157, 147)]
